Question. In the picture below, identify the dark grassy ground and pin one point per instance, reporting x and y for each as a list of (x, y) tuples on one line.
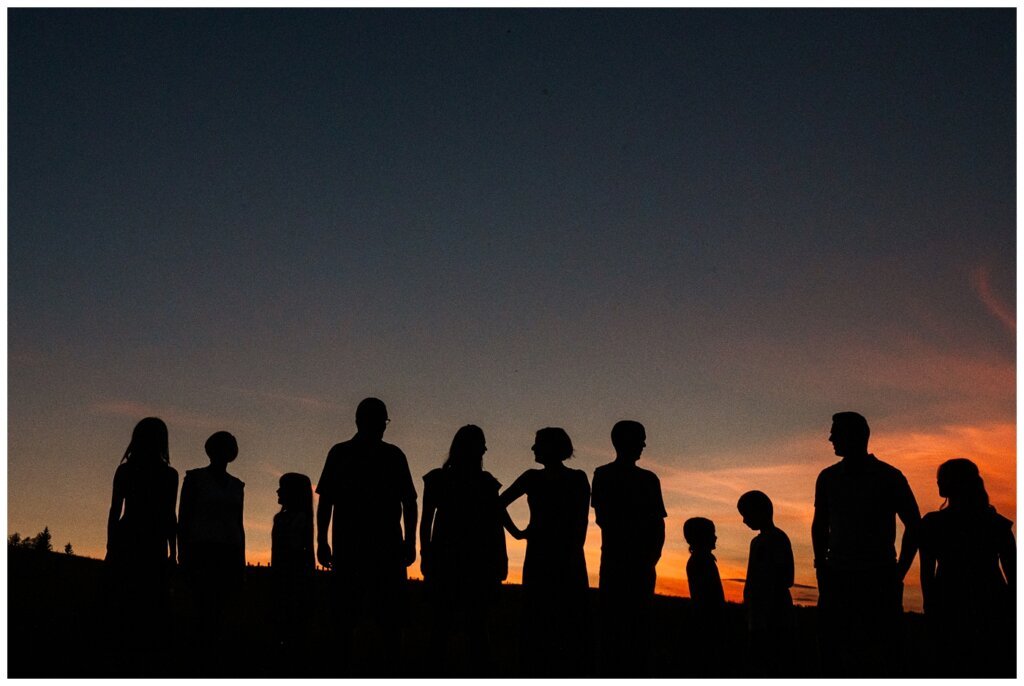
[(57, 628)]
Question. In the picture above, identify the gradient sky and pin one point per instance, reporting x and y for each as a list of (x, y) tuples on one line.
[(726, 224)]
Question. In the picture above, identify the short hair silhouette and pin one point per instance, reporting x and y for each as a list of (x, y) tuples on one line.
[(755, 503), (149, 441), (960, 483), (371, 409), (699, 532), (296, 492), (627, 434), (221, 447), (552, 444), (467, 449), (852, 425)]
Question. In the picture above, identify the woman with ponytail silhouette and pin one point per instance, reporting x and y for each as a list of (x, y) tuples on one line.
[(968, 577)]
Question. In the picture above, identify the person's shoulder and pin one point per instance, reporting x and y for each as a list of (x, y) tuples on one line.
[(830, 472), (647, 476), (998, 521), (434, 476), (197, 474), (235, 481), (775, 537), (604, 470), (887, 469), (488, 480)]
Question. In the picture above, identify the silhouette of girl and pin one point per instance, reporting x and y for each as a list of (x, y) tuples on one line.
[(555, 570), (140, 529), (291, 557), (462, 542), (968, 576)]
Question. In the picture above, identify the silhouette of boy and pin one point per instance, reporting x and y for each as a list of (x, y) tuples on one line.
[(706, 596), (211, 536), (860, 580), (766, 591), (630, 511), (366, 495)]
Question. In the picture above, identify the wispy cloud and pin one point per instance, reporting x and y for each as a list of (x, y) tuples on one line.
[(135, 410), (982, 284), (305, 401)]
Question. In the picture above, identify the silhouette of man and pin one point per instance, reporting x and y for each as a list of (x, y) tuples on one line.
[(367, 487), (860, 580), (630, 511)]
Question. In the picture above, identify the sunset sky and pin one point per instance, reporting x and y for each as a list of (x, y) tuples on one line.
[(725, 224)]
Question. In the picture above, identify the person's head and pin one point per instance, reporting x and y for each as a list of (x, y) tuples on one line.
[(467, 449), (756, 509), (552, 445), (960, 483), (221, 448), (629, 439), (699, 533), (295, 492), (149, 442), (371, 418), (849, 435)]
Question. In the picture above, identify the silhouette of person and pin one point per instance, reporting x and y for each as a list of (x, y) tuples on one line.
[(707, 598), (462, 549), (292, 559), (968, 577), (766, 594), (629, 509), (554, 571), (211, 542), (366, 495), (141, 547), (860, 580)]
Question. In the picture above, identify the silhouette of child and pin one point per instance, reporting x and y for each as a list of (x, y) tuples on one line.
[(706, 596), (968, 577), (766, 592), (211, 538), (291, 556)]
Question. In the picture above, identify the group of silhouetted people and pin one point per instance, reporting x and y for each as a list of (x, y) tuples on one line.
[(366, 523)]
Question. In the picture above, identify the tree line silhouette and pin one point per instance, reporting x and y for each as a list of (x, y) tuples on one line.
[(365, 534)]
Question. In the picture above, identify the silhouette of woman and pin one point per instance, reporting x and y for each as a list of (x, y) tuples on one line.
[(291, 560), (968, 599), (555, 570), (140, 531), (462, 541)]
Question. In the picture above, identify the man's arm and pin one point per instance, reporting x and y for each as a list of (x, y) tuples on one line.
[(910, 515), (324, 509), (409, 519), (819, 526)]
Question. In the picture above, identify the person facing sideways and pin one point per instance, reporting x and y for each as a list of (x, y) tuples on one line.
[(629, 509), (292, 558), (366, 495), (766, 594), (860, 579), (554, 571), (462, 549), (968, 577), (211, 536), (141, 546), (706, 631)]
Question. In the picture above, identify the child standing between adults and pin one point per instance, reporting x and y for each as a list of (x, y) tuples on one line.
[(766, 593), (292, 560), (707, 597)]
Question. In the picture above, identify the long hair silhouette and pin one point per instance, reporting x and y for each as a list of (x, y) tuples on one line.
[(149, 442), (467, 449), (960, 483)]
